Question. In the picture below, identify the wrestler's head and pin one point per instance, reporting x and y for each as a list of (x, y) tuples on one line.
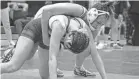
[(99, 14), (76, 41)]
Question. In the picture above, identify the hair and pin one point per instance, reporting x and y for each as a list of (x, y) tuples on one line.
[(80, 42)]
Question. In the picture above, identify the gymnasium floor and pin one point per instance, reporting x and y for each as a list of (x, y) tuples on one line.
[(119, 64)]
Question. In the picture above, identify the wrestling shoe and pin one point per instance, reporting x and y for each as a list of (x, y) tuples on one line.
[(116, 46), (7, 55), (59, 73), (83, 72), (120, 44), (100, 46)]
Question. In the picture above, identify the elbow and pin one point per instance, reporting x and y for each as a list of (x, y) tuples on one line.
[(48, 9), (47, 12)]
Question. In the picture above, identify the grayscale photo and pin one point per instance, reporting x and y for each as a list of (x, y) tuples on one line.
[(69, 39)]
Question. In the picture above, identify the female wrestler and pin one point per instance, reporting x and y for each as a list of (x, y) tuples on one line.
[(70, 30)]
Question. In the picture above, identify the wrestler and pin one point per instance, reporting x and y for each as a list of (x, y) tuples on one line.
[(60, 27), (95, 18)]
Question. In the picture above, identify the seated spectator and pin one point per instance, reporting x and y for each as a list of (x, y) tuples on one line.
[(6, 23), (19, 12)]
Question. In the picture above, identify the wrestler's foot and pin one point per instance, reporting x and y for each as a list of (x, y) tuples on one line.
[(120, 44), (81, 71), (116, 46), (59, 73), (100, 46)]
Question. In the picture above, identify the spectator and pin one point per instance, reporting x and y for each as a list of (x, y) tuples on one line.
[(119, 7), (134, 15), (5, 21), (20, 12)]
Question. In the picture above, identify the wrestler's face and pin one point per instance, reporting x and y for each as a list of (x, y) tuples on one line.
[(73, 26), (68, 40), (69, 37)]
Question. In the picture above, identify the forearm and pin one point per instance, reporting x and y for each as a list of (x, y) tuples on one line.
[(69, 9), (100, 66), (52, 68), (65, 9)]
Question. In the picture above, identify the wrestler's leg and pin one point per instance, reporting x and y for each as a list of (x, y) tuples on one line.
[(114, 34), (79, 69), (81, 57), (9, 53), (44, 66), (22, 51)]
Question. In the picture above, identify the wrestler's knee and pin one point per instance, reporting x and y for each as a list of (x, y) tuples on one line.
[(12, 67), (16, 67)]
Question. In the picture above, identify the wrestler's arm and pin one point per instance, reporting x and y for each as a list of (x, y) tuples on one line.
[(21, 54), (97, 59), (57, 34), (39, 13), (56, 9)]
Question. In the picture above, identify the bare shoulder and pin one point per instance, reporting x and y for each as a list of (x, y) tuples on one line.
[(61, 18)]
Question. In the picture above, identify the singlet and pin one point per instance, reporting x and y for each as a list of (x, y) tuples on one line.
[(65, 22)]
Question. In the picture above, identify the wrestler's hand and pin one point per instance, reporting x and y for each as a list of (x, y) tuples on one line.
[(67, 45)]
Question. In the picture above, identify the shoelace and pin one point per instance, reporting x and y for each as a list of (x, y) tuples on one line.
[(83, 69), (8, 56), (82, 72)]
